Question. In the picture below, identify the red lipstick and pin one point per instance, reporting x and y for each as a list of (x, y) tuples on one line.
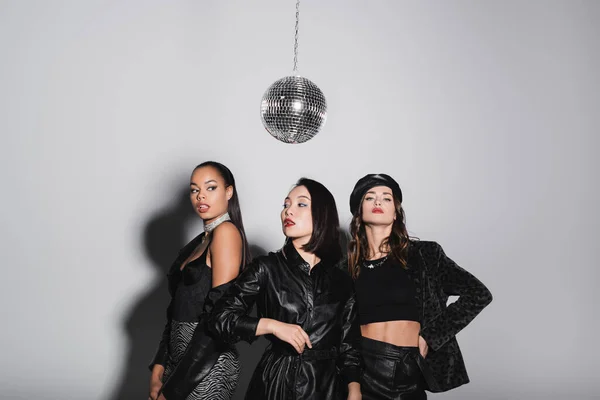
[(288, 222)]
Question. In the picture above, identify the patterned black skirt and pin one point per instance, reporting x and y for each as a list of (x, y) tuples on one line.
[(221, 380)]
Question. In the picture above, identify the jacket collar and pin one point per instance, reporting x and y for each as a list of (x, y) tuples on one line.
[(415, 260), (294, 259)]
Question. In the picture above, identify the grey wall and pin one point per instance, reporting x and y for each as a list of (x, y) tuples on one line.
[(487, 113)]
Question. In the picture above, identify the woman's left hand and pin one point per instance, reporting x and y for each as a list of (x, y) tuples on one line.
[(354, 391), (423, 347)]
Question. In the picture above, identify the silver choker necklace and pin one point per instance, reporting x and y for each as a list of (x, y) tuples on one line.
[(208, 228)]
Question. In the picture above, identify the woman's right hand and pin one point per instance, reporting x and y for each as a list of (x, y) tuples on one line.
[(155, 385), (156, 381), (289, 333)]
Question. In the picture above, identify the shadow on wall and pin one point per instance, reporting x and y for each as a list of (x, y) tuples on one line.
[(164, 236)]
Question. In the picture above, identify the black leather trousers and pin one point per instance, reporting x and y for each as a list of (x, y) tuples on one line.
[(391, 372)]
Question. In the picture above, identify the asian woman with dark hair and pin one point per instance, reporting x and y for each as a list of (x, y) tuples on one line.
[(305, 307)]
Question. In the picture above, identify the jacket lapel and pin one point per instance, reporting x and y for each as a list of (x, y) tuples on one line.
[(430, 305), (416, 271)]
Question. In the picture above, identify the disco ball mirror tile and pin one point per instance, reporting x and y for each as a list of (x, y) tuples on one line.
[(293, 109)]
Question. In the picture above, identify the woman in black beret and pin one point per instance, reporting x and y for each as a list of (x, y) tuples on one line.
[(402, 287)]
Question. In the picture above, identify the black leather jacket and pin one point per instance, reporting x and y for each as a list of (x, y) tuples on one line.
[(191, 290), (320, 300)]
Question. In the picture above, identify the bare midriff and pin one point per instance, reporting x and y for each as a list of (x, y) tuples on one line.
[(398, 333)]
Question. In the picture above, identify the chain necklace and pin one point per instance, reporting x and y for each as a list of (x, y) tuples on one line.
[(371, 264)]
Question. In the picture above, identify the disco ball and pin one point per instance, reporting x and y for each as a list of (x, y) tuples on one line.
[(293, 109)]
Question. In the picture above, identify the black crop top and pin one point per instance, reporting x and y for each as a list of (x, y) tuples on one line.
[(385, 292)]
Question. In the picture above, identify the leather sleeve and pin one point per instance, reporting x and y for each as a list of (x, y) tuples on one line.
[(349, 361), (473, 297), (162, 352), (230, 319)]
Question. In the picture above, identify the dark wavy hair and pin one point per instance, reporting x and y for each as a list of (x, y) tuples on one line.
[(325, 239), (233, 207), (396, 244)]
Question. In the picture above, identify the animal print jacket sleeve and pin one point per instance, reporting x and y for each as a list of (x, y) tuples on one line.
[(452, 280)]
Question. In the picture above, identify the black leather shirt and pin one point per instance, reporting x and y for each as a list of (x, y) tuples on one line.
[(320, 300)]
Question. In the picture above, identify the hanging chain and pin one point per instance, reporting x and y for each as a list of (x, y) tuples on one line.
[(296, 36)]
